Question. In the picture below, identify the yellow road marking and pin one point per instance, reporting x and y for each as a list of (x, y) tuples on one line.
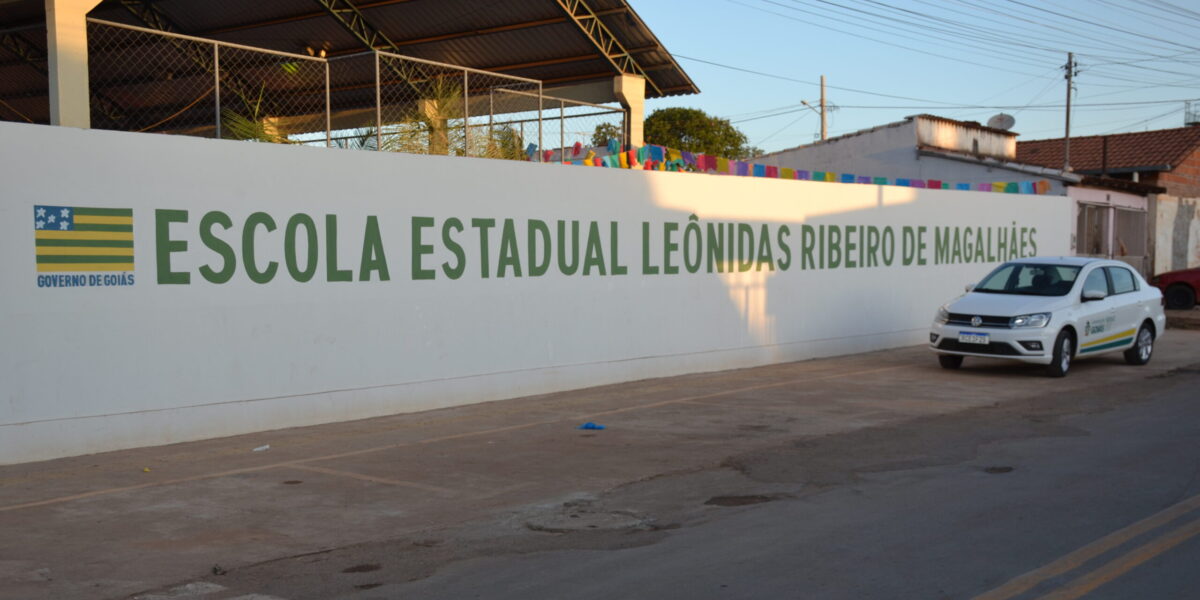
[(1123, 564), (455, 436), (1078, 558)]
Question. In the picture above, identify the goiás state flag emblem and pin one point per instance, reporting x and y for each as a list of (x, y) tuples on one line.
[(77, 238)]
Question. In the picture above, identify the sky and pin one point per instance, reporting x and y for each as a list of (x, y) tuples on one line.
[(755, 61)]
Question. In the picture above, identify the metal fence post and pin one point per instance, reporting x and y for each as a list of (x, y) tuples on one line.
[(466, 116), (540, 122), (378, 109), (217, 85), (328, 116), (562, 133)]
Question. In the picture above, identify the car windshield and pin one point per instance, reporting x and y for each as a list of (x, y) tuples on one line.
[(1029, 279)]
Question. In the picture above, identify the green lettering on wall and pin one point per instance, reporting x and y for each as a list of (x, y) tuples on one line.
[(715, 244), (782, 236), (613, 244), (851, 246), (538, 229), (332, 272), (669, 247), (218, 245), (647, 268), (419, 249), (248, 236), (564, 266), (509, 255), (460, 257), (941, 245), (808, 240), (765, 254), (835, 246), (290, 257), (164, 246), (594, 255), (373, 257), (483, 225), (745, 247)]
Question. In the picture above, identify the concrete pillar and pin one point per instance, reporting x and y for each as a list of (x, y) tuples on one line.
[(66, 45), (630, 91)]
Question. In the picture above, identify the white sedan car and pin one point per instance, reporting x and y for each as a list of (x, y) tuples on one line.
[(1048, 311)]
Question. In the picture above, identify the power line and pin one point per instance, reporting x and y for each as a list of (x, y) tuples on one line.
[(801, 81), (1093, 23), (859, 35)]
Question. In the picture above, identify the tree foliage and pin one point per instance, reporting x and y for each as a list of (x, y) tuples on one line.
[(605, 132), (693, 130)]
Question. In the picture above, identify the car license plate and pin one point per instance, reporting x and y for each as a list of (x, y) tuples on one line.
[(972, 338)]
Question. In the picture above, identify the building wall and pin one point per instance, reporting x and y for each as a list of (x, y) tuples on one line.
[(232, 321), (953, 135), (891, 151), (1176, 233), (1124, 233), (1181, 181)]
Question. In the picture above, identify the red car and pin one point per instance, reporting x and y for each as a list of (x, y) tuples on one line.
[(1179, 288)]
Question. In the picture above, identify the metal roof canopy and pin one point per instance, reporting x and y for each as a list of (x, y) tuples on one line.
[(575, 47)]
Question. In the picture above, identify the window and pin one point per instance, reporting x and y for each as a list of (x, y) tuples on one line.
[(1030, 279), (1122, 280), (1096, 281)]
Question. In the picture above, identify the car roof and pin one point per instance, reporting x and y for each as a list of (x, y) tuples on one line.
[(1074, 261)]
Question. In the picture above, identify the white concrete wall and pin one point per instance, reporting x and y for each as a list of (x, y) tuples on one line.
[(891, 151), (96, 368), (1176, 233)]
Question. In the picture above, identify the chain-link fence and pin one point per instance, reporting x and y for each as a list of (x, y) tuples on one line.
[(147, 80), (566, 126)]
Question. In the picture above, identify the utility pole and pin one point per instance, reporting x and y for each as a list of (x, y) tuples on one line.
[(1070, 67), (824, 110), (824, 130)]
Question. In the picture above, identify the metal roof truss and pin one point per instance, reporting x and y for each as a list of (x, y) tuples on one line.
[(590, 24)]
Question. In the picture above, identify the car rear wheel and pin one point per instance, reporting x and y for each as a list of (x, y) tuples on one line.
[(1180, 297), (950, 361), (1142, 348), (1060, 358)]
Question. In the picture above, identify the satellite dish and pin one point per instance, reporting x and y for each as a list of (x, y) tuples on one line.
[(1002, 121)]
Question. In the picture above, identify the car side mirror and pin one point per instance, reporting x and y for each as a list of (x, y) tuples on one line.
[(1090, 295), (969, 287)]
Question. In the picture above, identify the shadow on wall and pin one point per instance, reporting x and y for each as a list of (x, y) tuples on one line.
[(1185, 238), (856, 267)]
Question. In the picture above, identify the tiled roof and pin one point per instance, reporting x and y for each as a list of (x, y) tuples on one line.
[(1155, 150)]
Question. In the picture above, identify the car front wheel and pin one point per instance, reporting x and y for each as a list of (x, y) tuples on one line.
[(1142, 349), (1060, 358)]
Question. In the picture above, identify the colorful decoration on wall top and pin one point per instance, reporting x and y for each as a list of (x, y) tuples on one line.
[(660, 158)]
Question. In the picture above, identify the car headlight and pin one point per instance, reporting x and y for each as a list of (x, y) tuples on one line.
[(1034, 320), (942, 315)]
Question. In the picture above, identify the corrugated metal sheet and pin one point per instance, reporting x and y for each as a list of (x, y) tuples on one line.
[(528, 38)]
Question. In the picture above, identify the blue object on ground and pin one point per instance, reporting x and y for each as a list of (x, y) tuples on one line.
[(590, 425)]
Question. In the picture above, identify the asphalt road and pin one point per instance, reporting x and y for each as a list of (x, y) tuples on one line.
[(868, 476), (944, 512)]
